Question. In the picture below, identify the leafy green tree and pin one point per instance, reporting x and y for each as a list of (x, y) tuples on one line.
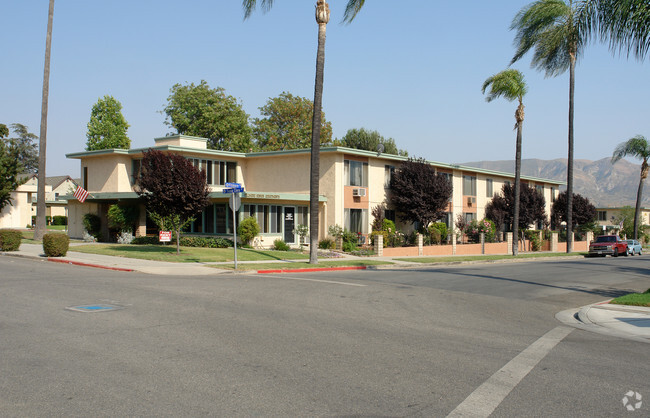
[(25, 147), (510, 85), (418, 193), (9, 168), (583, 210), (198, 110), (638, 147), (369, 141), (626, 216), (322, 18), (286, 124), (172, 188), (555, 29), (107, 127)]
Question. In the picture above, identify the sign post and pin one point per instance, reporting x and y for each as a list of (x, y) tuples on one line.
[(235, 204)]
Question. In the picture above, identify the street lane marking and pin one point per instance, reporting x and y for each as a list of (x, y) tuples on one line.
[(320, 281), (487, 397)]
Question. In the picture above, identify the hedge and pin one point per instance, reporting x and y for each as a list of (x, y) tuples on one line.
[(55, 245), (10, 239)]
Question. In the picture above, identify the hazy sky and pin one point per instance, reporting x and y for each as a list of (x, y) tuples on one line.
[(413, 73)]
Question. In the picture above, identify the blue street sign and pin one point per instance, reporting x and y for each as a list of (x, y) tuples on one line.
[(233, 185), (233, 190)]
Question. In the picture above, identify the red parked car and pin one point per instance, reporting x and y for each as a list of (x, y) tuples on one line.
[(608, 244)]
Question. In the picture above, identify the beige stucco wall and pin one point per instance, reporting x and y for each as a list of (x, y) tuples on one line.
[(76, 211), (281, 173), (107, 174)]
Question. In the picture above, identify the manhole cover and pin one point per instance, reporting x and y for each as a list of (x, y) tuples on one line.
[(102, 307)]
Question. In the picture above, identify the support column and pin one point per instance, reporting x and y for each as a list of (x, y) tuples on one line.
[(420, 244), (590, 236), (554, 240)]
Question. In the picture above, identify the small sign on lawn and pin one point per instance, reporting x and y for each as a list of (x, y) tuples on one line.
[(165, 236)]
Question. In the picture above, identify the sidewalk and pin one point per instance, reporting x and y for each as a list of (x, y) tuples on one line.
[(623, 321)]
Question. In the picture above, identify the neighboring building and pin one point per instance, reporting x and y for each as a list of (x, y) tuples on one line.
[(277, 187), (606, 217), (19, 213)]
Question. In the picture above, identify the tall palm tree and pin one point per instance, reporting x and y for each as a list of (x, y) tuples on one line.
[(555, 30), (625, 23), (41, 226), (322, 18), (510, 85), (635, 147)]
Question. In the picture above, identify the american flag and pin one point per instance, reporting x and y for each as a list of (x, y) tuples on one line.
[(81, 194)]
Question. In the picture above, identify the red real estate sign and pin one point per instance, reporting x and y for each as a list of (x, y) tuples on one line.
[(165, 236)]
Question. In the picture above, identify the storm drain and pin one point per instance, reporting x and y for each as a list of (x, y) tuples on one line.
[(102, 307)]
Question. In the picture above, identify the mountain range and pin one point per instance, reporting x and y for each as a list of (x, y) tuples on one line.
[(604, 184)]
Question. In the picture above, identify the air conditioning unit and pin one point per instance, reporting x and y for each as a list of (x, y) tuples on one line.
[(471, 201), (358, 192)]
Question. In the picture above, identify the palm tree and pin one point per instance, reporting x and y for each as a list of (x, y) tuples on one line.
[(510, 84), (625, 23), (322, 18), (636, 147), (555, 30), (41, 226)]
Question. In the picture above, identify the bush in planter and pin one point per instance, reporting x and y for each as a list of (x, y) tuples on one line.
[(55, 245), (10, 239), (280, 245), (438, 232)]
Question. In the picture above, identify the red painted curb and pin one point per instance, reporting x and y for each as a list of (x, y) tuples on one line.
[(78, 263), (307, 270)]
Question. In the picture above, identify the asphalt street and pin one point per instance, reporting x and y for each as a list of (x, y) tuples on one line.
[(460, 340)]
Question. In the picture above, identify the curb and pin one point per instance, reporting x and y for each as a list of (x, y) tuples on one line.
[(307, 270), (79, 263)]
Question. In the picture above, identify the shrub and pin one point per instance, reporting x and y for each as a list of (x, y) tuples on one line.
[(122, 218), (60, 220), (280, 245), (302, 231), (125, 237), (248, 229), (438, 232), (326, 244), (533, 236), (348, 246), (474, 229), (145, 240), (93, 224), (206, 242), (55, 245), (10, 239)]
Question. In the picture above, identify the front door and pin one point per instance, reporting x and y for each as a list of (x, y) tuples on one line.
[(289, 224)]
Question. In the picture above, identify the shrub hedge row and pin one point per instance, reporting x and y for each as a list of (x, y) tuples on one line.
[(204, 242)]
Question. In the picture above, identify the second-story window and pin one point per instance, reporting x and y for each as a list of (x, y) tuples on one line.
[(356, 173), (389, 171), (469, 186), (489, 188)]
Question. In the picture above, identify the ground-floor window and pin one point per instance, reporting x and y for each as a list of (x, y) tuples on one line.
[(356, 220)]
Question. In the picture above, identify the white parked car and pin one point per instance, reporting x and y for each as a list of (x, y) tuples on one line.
[(633, 247)]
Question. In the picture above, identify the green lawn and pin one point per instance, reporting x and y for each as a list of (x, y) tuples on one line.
[(485, 257), (188, 254), (301, 265), (634, 299), (28, 234)]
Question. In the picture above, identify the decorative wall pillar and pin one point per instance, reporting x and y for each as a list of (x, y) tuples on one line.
[(554, 241), (453, 243), (482, 242), (509, 240), (420, 244), (379, 245)]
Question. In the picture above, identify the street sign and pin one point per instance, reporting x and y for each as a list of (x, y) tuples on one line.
[(233, 190), (233, 185), (235, 201)]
